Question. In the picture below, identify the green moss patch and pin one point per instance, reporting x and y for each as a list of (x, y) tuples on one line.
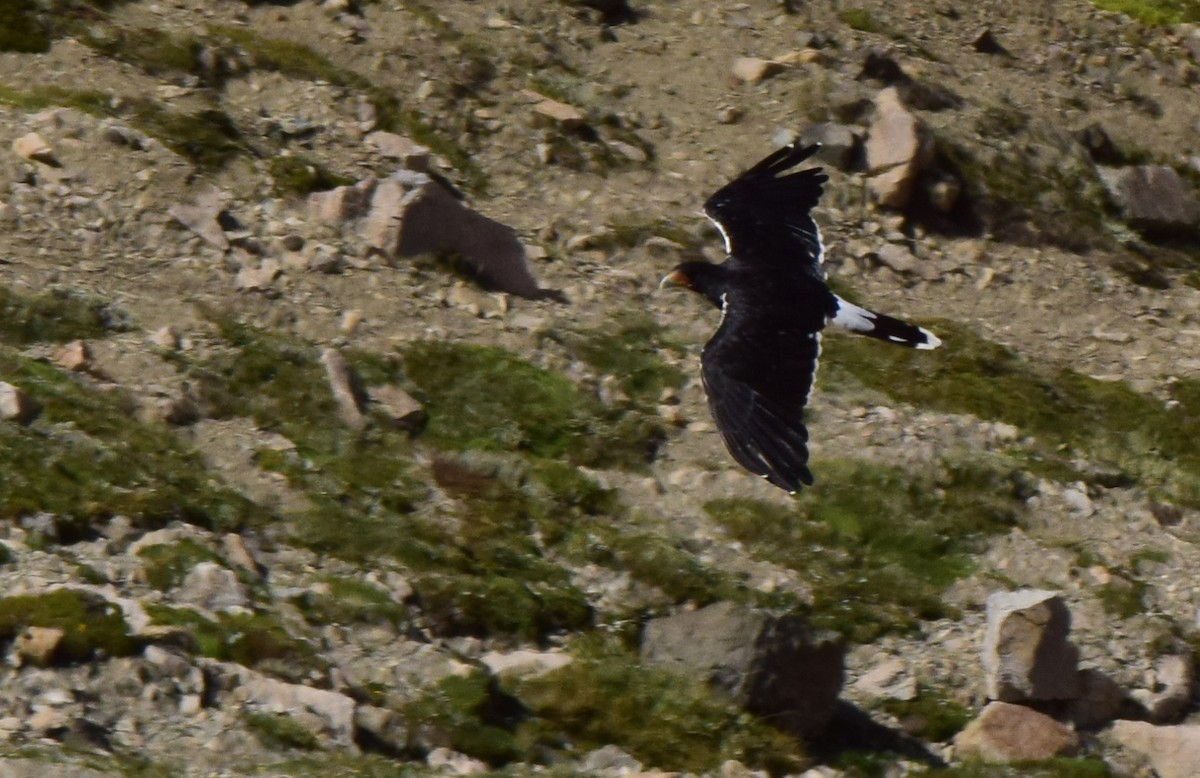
[(1153, 440), (258, 640), (280, 731), (207, 138), (628, 347), (1023, 198), (480, 397), (167, 564), (86, 459), (470, 714), (58, 315), (877, 544), (92, 626), (297, 176), (667, 721), (1154, 12), (350, 601), (931, 716), (22, 29)]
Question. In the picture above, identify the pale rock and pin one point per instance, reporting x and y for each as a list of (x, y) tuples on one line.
[(328, 715), (628, 151), (351, 320), (33, 147), (800, 57), (166, 338), (399, 406), (347, 388), (889, 680), (202, 219), (37, 645), (412, 214), (899, 147), (411, 154), (325, 259), (75, 356), (233, 548), (213, 587), (1174, 751), (1013, 733), (610, 759), (453, 762), (1172, 692), (897, 257), (382, 726), (47, 720), (16, 405), (342, 203), (732, 768), (1077, 500), (839, 142), (1026, 653), (567, 117), (752, 70), (259, 278), (525, 663)]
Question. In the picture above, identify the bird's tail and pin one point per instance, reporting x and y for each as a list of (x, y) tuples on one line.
[(883, 327)]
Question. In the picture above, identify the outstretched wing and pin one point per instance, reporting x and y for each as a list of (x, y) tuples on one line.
[(757, 372), (764, 213)]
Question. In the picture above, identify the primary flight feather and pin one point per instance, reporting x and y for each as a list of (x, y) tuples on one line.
[(758, 367)]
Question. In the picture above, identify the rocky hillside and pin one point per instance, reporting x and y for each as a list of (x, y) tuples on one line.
[(344, 430)]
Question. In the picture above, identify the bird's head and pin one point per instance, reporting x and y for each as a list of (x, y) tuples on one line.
[(703, 278)]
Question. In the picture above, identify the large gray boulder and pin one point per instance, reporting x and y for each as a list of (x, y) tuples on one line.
[(1153, 199), (774, 666), (411, 214), (1026, 653)]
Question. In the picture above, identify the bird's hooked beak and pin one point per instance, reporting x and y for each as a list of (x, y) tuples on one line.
[(676, 278)]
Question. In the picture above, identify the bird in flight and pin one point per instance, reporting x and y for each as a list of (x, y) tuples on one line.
[(758, 367)]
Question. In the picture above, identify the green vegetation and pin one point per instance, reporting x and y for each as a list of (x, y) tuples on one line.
[(299, 176), (1026, 198), (1122, 596), (300, 61), (257, 640), (281, 731), (666, 720), (485, 398), (627, 346), (877, 544), (92, 626), (167, 564), (22, 30), (1154, 12), (861, 19), (349, 601), (1152, 441), (86, 459), (208, 138), (472, 714), (930, 715), (153, 51), (57, 315)]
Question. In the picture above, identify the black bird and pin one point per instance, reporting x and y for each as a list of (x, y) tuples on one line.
[(758, 368)]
